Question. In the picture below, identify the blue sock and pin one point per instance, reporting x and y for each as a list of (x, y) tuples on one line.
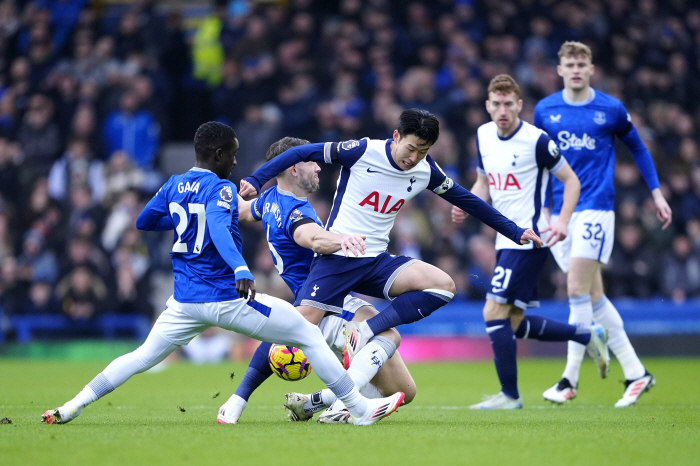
[(407, 308), (258, 371), (540, 328), (504, 351)]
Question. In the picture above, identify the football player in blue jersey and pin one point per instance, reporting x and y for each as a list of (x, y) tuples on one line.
[(213, 286), (515, 160), (294, 234), (584, 122)]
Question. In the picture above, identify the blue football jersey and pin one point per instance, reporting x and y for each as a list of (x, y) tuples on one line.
[(281, 212), (195, 202), (585, 133)]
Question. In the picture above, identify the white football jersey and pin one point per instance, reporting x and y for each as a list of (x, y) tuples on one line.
[(518, 169), (372, 189)]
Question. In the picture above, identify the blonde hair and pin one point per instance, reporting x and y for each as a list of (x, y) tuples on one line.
[(572, 48), (504, 84)]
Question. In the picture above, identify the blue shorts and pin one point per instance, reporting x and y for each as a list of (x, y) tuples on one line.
[(515, 277), (332, 277)]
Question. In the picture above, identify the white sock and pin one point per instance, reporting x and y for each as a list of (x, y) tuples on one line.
[(236, 400), (366, 333), (604, 313), (356, 403), (320, 400), (581, 315), (371, 392), (370, 359), (84, 398)]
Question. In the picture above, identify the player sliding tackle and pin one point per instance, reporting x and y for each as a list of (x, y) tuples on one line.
[(294, 233), (201, 207), (377, 178), (522, 157)]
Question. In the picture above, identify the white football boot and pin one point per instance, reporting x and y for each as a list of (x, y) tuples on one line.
[(499, 401), (598, 349), (351, 331), (379, 408), (61, 415), (230, 412), (561, 392), (634, 389), (295, 404), (337, 413)]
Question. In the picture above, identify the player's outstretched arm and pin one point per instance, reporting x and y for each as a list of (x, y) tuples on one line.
[(645, 163), (460, 197), (218, 221), (155, 216), (307, 153), (481, 190), (312, 236), (244, 212), (559, 230)]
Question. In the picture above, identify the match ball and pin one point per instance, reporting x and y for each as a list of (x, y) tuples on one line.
[(288, 363)]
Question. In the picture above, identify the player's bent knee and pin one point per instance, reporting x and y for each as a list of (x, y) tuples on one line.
[(311, 314), (392, 335)]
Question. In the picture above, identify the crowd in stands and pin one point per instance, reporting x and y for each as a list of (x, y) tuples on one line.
[(88, 100)]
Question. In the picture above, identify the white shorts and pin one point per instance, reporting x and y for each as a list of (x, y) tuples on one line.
[(265, 319), (591, 236), (332, 326)]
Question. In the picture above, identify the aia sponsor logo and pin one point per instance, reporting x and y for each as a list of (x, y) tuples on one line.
[(503, 183), (388, 206)]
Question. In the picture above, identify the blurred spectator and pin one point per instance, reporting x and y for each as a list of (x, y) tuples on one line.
[(74, 168), (39, 138), (132, 130), (633, 267), (35, 263), (82, 294), (681, 271)]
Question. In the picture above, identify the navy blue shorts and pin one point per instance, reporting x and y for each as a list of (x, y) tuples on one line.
[(515, 277), (332, 277)]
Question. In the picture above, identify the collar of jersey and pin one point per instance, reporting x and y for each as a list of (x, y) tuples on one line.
[(388, 155), (197, 169), (287, 193), (512, 134), (578, 104)]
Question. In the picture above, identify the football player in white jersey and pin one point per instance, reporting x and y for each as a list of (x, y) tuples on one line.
[(515, 160), (377, 178), (585, 123)]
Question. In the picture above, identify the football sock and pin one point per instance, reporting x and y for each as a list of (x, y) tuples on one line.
[(319, 401), (604, 313), (258, 371), (345, 389), (371, 391), (370, 359), (543, 329), (409, 307), (504, 351), (581, 315)]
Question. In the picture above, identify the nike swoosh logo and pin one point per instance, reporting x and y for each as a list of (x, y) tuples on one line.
[(372, 171)]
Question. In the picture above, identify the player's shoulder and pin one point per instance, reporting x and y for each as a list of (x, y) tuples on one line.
[(531, 131), (489, 128), (601, 98), (551, 100)]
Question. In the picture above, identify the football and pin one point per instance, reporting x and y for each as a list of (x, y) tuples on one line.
[(288, 363)]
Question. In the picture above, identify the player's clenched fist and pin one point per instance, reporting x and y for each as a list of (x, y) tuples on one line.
[(458, 215), (247, 189), (530, 235), (354, 243)]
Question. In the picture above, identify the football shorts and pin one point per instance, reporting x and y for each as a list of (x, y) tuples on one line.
[(332, 326), (591, 236), (515, 277)]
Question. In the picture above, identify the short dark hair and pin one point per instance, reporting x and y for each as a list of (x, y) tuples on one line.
[(277, 147), (211, 136), (421, 123)]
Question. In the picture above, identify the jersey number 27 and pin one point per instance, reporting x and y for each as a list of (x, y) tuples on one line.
[(195, 209)]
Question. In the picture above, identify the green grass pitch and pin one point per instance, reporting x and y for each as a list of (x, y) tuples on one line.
[(140, 423)]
